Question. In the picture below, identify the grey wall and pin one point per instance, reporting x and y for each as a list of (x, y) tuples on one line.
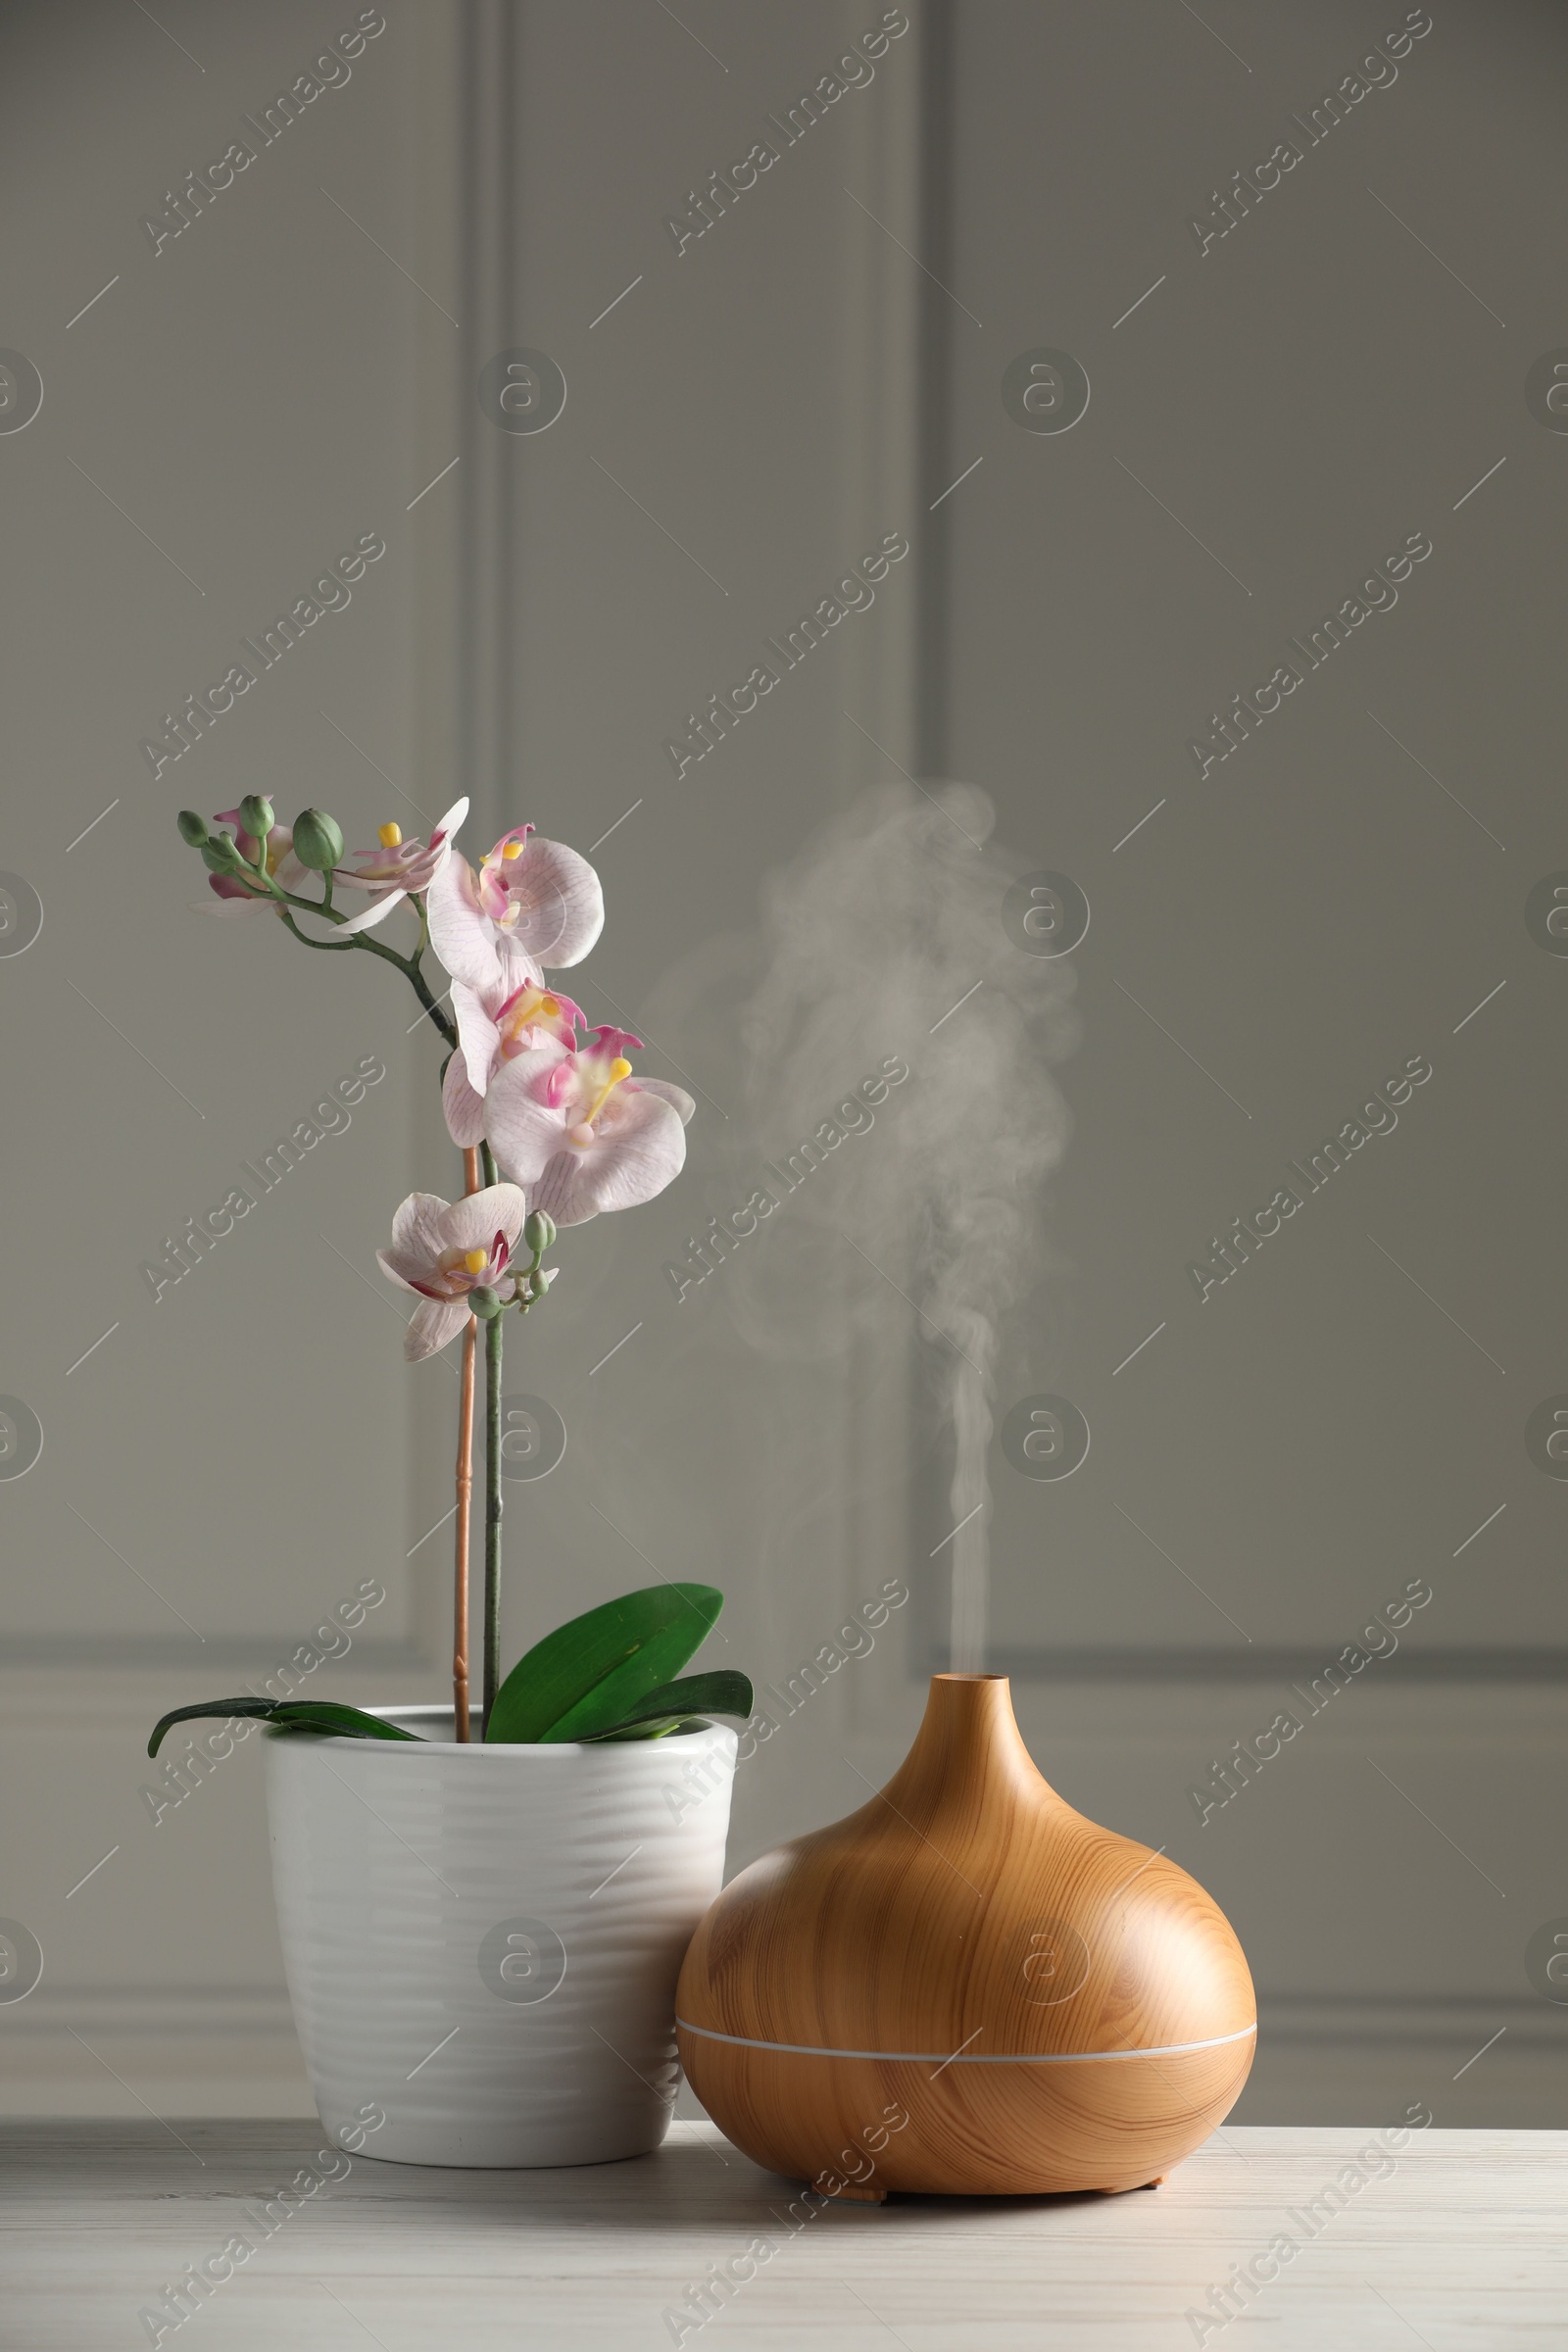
[(1284, 407)]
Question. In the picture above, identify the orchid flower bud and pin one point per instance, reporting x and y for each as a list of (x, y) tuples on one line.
[(192, 828), (318, 840), (538, 1232), (484, 1302), (220, 855), (255, 815)]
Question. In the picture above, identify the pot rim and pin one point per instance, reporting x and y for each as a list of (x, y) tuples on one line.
[(417, 1716)]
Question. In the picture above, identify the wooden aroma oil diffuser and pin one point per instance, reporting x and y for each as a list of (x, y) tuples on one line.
[(966, 1988)]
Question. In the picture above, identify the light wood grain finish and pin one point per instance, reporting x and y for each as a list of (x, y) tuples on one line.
[(1462, 2246), (967, 1986)]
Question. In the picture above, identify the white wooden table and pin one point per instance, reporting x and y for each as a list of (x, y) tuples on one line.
[(1463, 2245)]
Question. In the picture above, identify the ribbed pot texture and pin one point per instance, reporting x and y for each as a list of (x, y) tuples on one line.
[(965, 1986), (482, 1943)]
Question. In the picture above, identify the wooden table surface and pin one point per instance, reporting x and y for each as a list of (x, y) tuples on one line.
[(1462, 2244)]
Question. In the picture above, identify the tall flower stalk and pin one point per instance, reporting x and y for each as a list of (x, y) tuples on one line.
[(492, 1491), (553, 1128), (465, 1481)]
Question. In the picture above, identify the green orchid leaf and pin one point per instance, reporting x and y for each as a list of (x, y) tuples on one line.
[(591, 1672), (673, 1705), (225, 1708), (663, 1727), (329, 1715), (288, 1714)]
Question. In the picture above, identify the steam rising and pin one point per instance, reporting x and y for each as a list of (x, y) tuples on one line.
[(885, 941)]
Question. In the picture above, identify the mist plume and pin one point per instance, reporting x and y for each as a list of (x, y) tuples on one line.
[(884, 938)]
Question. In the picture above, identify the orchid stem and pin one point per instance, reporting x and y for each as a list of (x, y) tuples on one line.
[(465, 1482), (460, 1592), (492, 1489), (334, 946)]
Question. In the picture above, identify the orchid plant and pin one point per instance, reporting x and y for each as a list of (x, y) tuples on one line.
[(554, 1128)]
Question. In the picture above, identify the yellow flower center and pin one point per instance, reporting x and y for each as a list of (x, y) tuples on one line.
[(389, 835), (513, 849), (531, 1003), (474, 1261), (583, 1130)]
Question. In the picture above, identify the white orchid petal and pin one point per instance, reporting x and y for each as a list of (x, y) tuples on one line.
[(478, 1038), (433, 1325), (417, 1235), (561, 1193), (673, 1095), (372, 914), (464, 1108), (463, 938), (516, 964), (344, 877), (638, 1149), (562, 906), (523, 1131), (443, 833), (474, 1222), (392, 1265)]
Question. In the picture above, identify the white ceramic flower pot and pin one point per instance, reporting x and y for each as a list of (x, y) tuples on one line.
[(482, 1943)]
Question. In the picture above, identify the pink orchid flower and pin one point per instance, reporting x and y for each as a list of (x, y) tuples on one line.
[(581, 1132), (534, 905), (397, 869), (236, 897), (495, 1026), (441, 1250)]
